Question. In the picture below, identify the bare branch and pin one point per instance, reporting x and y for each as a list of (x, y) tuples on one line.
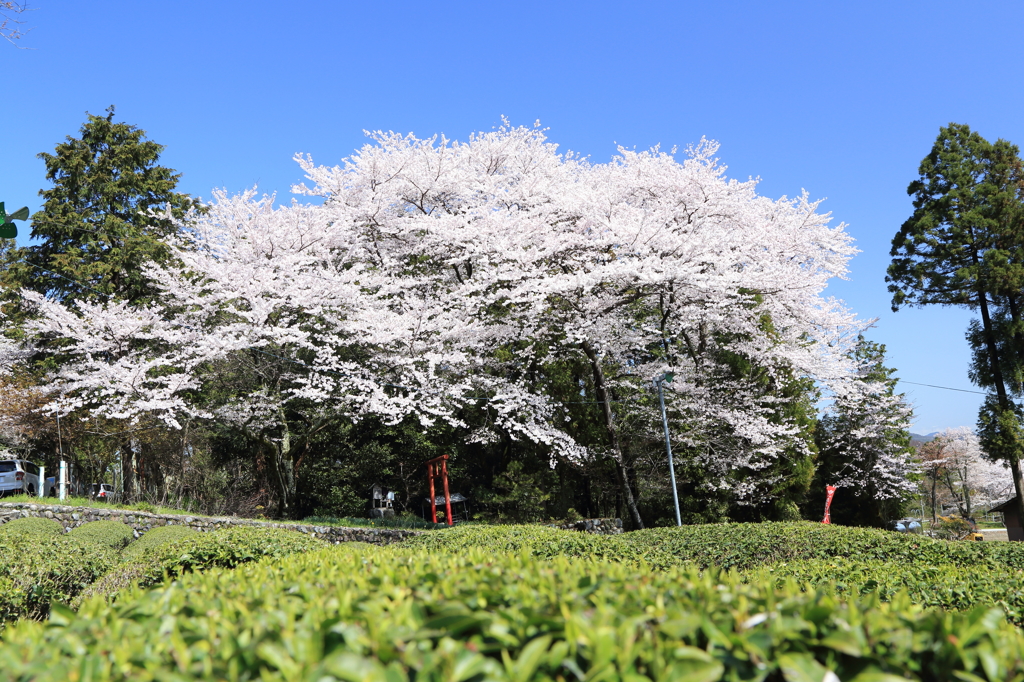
[(10, 27)]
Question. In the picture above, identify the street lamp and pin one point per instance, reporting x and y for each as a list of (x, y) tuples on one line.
[(659, 381)]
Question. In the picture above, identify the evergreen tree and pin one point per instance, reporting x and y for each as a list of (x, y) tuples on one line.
[(95, 229), (964, 245)]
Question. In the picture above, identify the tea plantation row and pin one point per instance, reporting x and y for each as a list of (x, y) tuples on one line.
[(795, 602), (40, 564)]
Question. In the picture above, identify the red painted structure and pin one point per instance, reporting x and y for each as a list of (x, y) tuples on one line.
[(439, 467), (830, 490)]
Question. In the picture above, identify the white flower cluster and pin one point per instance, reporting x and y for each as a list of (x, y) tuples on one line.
[(422, 258)]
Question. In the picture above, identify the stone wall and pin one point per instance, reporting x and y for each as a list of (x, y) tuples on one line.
[(597, 526), (71, 517)]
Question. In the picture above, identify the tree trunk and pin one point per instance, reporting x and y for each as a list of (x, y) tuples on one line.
[(621, 471), (935, 486), (282, 470), (1004, 401), (282, 475), (1015, 470), (131, 464)]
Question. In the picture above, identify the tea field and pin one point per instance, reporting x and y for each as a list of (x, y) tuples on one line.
[(794, 602)]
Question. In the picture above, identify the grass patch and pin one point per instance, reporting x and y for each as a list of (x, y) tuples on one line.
[(96, 504)]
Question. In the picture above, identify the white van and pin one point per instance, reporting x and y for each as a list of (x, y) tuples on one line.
[(103, 492), (18, 476)]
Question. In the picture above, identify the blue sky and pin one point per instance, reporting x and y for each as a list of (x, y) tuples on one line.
[(843, 99)]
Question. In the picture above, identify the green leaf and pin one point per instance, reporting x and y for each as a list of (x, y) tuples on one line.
[(803, 668), (845, 642), (875, 675), (61, 615), (529, 658), (694, 665)]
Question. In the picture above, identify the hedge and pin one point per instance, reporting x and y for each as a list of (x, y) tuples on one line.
[(946, 585), (174, 553), (743, 546), (396, 614), (33, 526), (156, 537), (113, 534), (228, 547), (41, 569)]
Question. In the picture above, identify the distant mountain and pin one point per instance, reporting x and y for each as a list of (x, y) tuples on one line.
[(918, 439)]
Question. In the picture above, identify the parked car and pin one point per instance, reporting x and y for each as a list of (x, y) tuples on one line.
[(906, 526), (18, 476), (102, 491)]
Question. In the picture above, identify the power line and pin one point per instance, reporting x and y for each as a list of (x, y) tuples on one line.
[(945, 388)]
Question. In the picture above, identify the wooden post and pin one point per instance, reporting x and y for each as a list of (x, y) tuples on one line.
[(434, 470), (430, 477), (447, 497)]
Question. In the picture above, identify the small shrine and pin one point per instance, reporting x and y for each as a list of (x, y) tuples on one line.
[(382, 503)]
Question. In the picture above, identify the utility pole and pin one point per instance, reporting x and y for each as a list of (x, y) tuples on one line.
[(659, 382)]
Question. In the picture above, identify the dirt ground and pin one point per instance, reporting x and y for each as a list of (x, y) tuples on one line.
[(994, 534)]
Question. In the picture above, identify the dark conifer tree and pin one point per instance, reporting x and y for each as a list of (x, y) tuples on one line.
[(95, 231), (964, 246)]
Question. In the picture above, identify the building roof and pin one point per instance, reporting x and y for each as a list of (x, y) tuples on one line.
[(1003, 506)]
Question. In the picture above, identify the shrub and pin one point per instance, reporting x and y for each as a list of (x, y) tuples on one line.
[(952, 528), (228, 547), (113, 534), (946, 586), (155, 538), (31, 525), (42, 569), (12, 599), (743, 546), (172, 553), (401, 614)]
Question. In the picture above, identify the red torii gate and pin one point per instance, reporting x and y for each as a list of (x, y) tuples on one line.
[(439, 467)]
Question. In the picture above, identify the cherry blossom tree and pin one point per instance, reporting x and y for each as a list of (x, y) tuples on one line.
[(645, 263), (433, 272), (973, 480), (10, 27), (864, 442)]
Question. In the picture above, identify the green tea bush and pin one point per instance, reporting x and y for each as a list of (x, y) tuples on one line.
[(947, 586), (173, 553), (157, 537), (113, 534), (743, 546), (31, 525), (540, 541), (12, 599), (398, 614), (747, 545), (228, 547), (44, 568)]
